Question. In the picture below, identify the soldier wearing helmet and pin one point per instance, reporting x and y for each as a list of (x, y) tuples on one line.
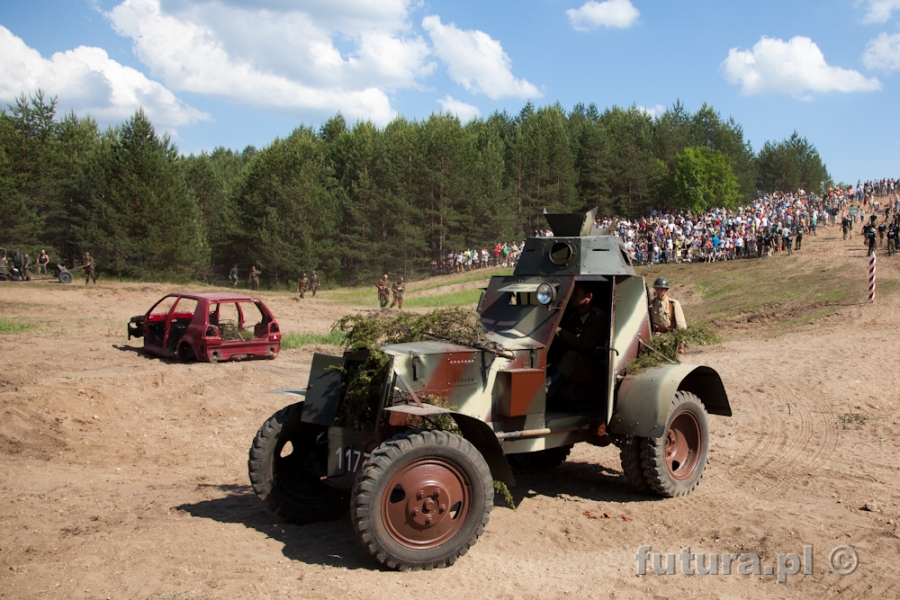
[(397, 292), (665, 312)]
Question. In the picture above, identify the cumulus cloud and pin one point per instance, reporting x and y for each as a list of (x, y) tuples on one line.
[(465, 112), (796, 67), (87, 81), (476, 61), (611, 13), (880, 10), (274, 55), (883, 53), (654, 111)]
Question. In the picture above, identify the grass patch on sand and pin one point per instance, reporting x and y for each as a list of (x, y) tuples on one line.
[(292, 341), (16, 325)]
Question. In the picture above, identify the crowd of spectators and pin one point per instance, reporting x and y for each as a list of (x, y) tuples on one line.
[(771, 224)]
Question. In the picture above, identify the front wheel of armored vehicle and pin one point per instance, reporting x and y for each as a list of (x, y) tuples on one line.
[(673, 464), (287, 460), (422, 500)]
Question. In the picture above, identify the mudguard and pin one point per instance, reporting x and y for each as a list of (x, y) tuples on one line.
[(475, 431), (643, 399)]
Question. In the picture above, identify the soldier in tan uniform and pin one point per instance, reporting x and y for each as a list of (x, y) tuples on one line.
[(302, 285), (665, 313), (383, 287), (397, 290)]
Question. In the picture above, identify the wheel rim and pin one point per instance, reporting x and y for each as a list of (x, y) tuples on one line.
[(426, 503), (684, 440)]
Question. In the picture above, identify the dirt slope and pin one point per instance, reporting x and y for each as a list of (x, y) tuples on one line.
[(123, 476)]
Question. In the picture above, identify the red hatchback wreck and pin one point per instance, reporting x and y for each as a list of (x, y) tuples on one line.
[(208, 327)]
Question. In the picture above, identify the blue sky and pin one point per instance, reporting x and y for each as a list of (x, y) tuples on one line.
[(234, 73)]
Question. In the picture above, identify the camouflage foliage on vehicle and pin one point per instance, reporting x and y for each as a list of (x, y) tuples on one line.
[(363, 381)]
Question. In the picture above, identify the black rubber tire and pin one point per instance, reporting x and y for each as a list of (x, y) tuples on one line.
[(632, 466), (186, 353), (674, 463), (439, 514), (290, 485), (65, 277), (541, 460)]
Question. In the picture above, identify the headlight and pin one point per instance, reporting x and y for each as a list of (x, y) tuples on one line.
[(546, 293)]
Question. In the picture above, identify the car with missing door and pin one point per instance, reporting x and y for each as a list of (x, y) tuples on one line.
[(207, 327)]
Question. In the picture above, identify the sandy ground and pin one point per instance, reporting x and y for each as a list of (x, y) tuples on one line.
[(123, 476)]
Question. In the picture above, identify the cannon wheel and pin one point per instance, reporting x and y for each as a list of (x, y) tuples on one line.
[(65, 277), (422, 500)]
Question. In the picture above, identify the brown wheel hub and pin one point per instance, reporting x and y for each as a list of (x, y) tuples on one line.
[(683, 444), (426, 503)]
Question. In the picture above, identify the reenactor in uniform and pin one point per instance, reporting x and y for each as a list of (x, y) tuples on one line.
[(882, 229), (88, 267), (43, 261), (583, 327), (665, 312), (892, 234), (302, 285), (233, 276), (869, 235), (313, 283), (383, 290), (397, 291), (254, 278), (799, 238)]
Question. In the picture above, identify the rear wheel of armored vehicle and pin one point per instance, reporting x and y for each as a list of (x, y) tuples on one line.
[(422, 500), (287, 459), (673, 464), (632, 465)]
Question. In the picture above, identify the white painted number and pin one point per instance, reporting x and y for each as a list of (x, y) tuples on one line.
[(353, 458)]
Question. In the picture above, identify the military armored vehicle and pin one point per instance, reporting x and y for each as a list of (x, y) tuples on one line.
[(419, 496)]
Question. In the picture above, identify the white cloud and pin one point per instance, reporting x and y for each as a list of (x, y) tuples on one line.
[(87, 81), (476, 61), (880, 10), (611, 13), (883, 53), (654, 111), (465, 112), (796, 67), (273, 55)]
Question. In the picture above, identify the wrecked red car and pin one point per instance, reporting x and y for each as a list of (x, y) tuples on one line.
[(208, 327)]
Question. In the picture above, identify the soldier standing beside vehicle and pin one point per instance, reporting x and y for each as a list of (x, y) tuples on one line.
[(302, 285), (397, 291), (313, 283), (233, 276), (43, 261), (87, 265), (254, 277), (383, 290), (665, 312)]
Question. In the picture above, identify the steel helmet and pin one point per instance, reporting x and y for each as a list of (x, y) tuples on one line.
[(661, 282)]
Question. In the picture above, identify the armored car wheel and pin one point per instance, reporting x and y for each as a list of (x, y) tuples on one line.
[(422, 500), (287, 459), (673, 464), (632, 466)]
